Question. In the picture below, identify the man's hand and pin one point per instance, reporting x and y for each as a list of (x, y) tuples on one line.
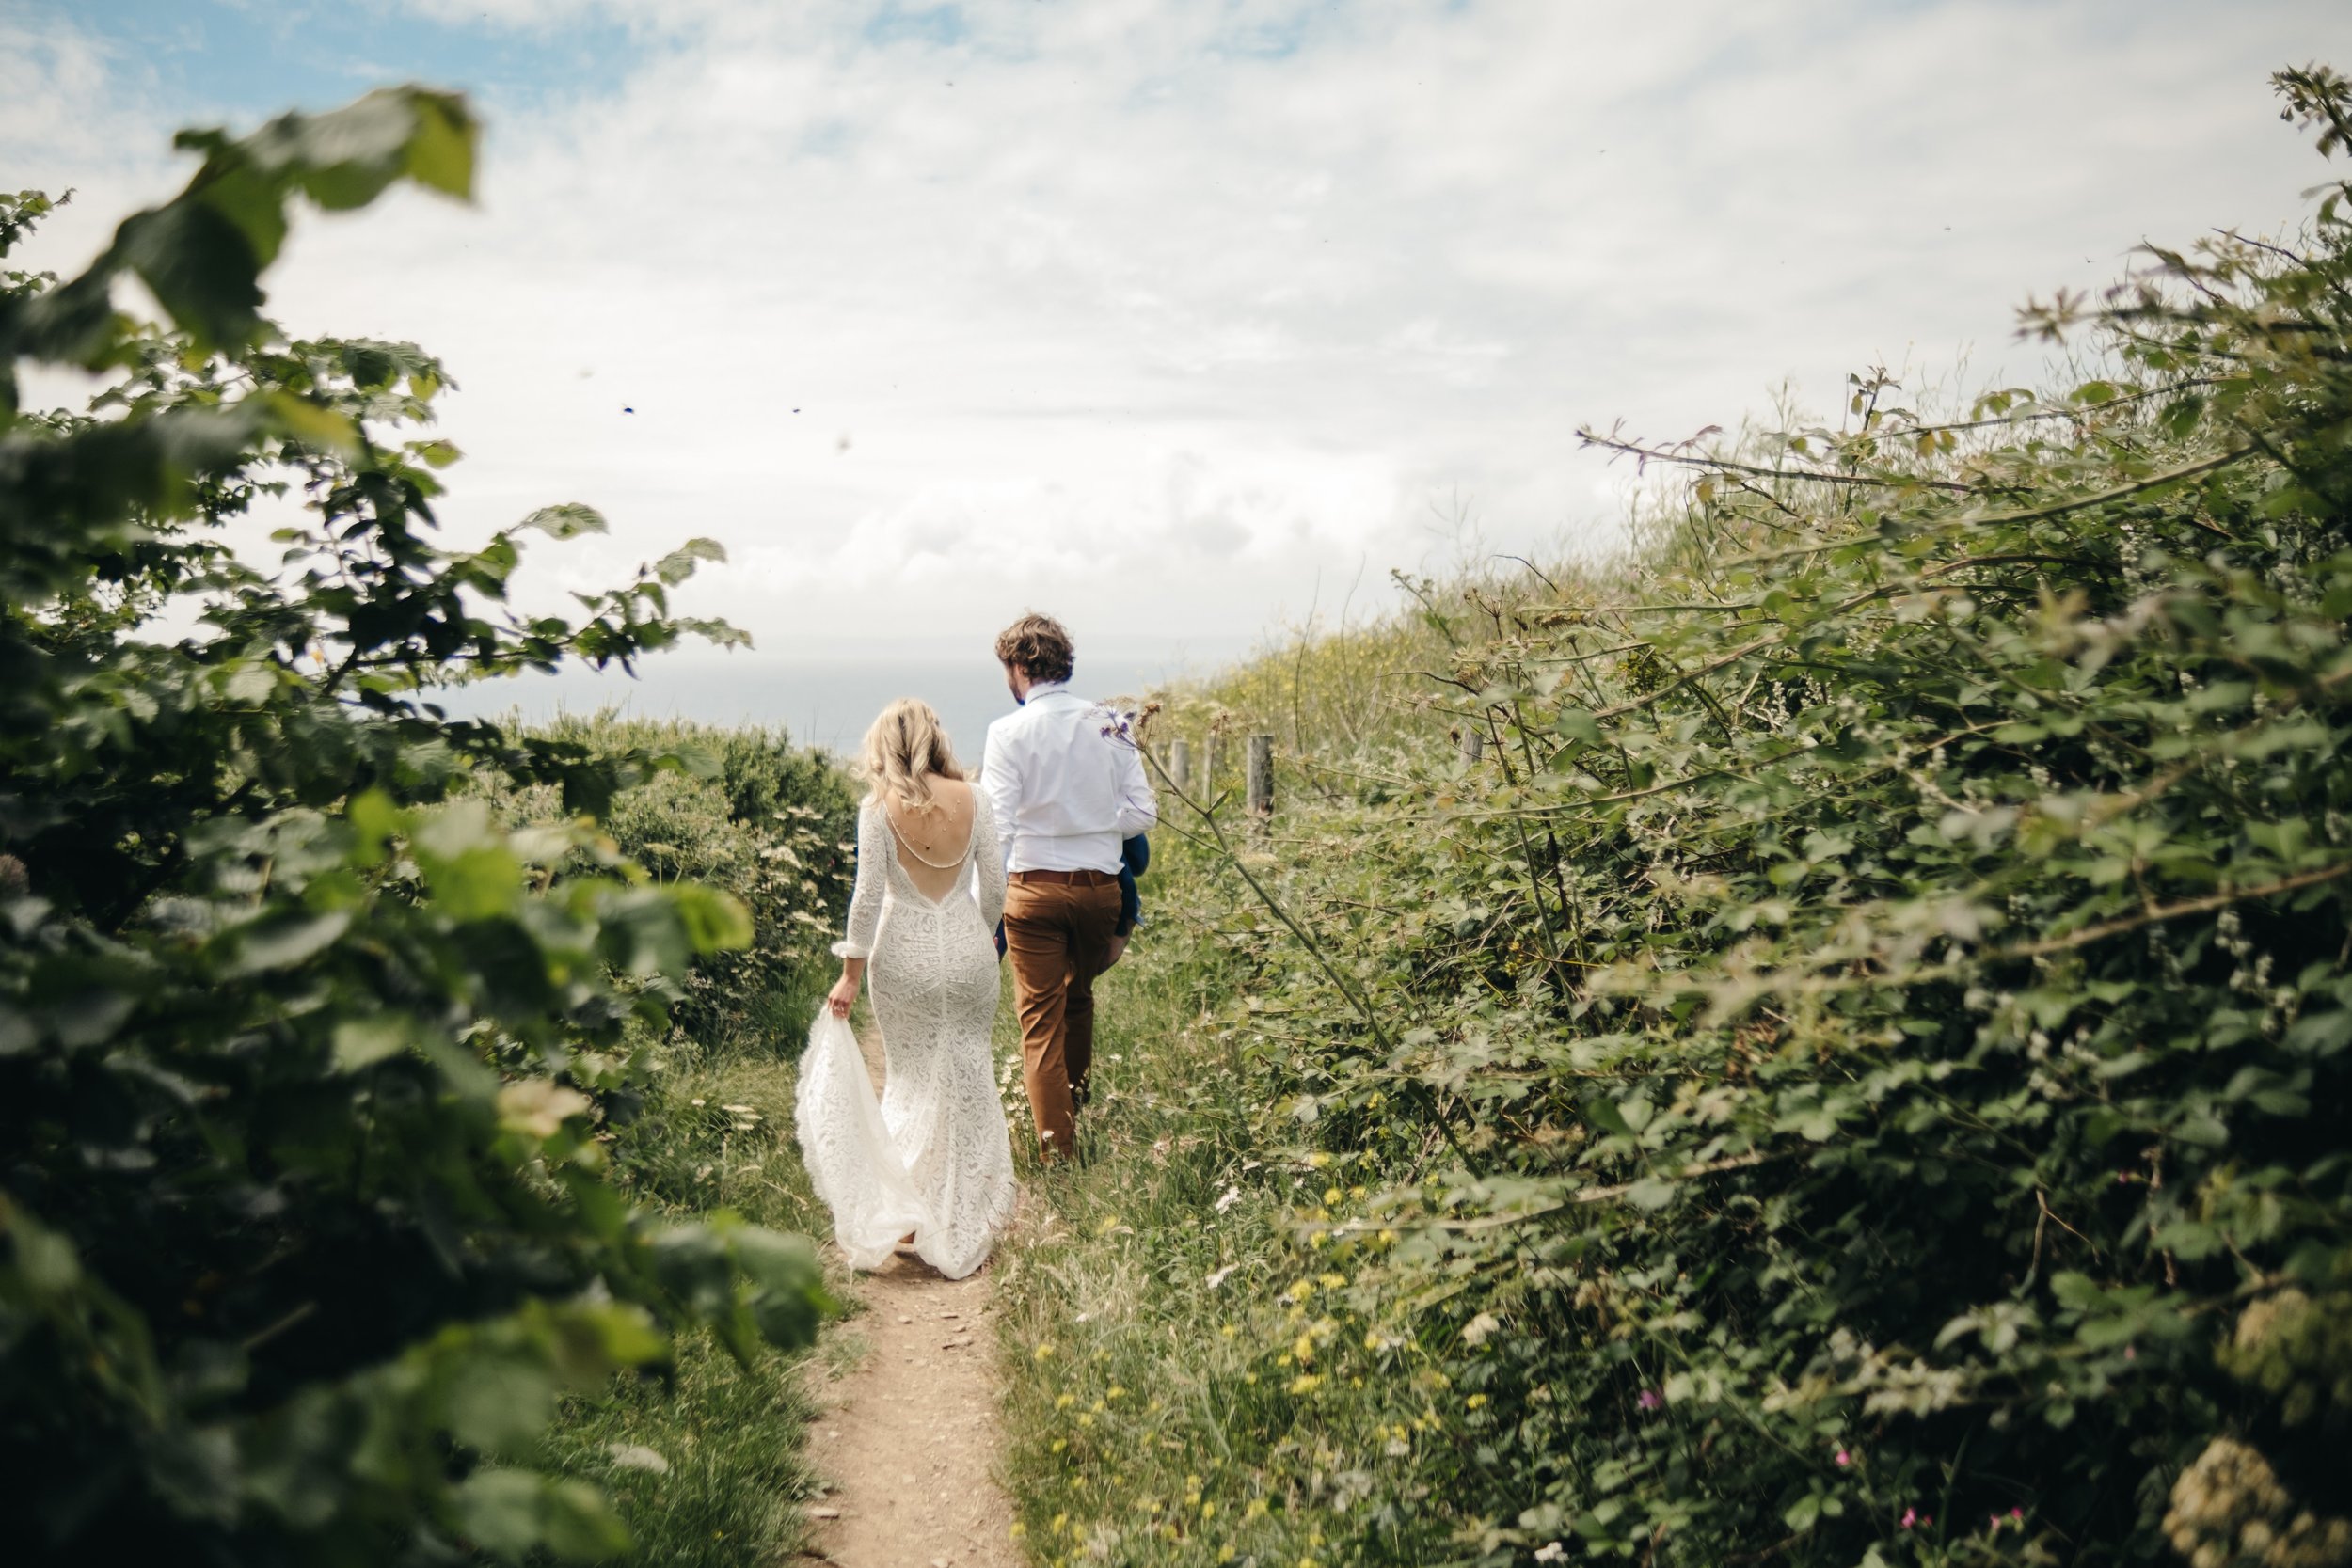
[(1119, 950), (843, 996)]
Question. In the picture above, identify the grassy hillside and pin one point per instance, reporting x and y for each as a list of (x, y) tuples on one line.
[(1855, 1073)]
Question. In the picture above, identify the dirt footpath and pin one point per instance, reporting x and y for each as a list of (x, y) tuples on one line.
[(909, 1436)]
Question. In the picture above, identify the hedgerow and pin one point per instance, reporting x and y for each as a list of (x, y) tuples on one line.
[(1855, 1073), (304, 1224)]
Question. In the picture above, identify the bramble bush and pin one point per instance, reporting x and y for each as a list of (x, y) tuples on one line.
[(746, 812), (304, 1228), (1857, 1071)]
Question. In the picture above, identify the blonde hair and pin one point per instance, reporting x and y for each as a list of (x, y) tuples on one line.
[(905, 750)]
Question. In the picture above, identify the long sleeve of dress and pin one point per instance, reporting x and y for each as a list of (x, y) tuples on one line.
[(988, 865), (865, 902)]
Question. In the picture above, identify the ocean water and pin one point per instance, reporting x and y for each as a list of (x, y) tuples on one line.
[(824, 700)]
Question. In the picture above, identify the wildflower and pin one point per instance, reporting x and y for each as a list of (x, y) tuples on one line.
[(1304, 1351), (1060, 1443), (1110, 1223), (1911, 1517), (1208, 1510), (1844, 1459), (1476, 1402), (1065, 1401), (1318, 1158), (1045, 1348), (1649, 1400), (1228, 1330), (1113, 1392), (1018, 1530), (1301, 1291), (1332, 1281), (1306, 1382), (1225, 1553), (1061, 1522), (1551, 1551), (1331, 1195)]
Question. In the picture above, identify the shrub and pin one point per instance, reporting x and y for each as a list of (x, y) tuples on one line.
[(288, 1272), (1857, 1072)]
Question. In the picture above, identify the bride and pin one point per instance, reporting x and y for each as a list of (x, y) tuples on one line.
[(934, 1164)]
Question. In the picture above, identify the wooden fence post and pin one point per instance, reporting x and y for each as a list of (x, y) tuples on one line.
[(1473, 746), (1180, 764), (1261, 775), (1208, 768)]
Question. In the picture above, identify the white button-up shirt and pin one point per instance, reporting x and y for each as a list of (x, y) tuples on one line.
[(1065, 784)]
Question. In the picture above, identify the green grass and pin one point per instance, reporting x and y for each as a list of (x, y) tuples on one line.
[(1153, 1417), (731, 1478)]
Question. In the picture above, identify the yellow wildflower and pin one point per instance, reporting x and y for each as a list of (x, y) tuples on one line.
[(1065, 1401), (1306, 1382), (1475, 1400), (1331, 1195), (1045, 1348), (1019, 1530), (1318, 1158)]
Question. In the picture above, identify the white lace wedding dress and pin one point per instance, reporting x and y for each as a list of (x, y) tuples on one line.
[(933, 1157)]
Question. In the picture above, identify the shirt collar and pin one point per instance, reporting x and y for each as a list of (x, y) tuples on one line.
[(1046, 688)]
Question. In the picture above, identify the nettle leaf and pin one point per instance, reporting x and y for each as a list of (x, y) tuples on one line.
[(679, 564), (567, 521)]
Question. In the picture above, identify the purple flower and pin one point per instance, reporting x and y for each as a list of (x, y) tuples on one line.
[(1649, 1400), (1844, 1459)]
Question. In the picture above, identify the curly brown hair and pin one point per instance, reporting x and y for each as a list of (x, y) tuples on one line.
[(1038, 647)]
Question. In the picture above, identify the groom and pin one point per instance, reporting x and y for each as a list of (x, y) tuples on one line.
[(1067, 789)]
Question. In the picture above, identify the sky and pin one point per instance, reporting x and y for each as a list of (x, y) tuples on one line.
[(1181, 320)]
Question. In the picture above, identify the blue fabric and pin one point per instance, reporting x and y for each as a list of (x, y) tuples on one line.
[(1134, 859)]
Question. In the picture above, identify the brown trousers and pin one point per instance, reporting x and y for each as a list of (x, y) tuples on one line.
[(1058, 937)]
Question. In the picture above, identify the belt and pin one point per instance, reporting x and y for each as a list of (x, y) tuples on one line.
[(1065, 879)]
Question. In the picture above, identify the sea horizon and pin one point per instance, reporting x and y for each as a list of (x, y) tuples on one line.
[(824, 699)]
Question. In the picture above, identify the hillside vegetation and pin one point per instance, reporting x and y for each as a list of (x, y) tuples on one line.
[(1856, 1072), (337, 1039)]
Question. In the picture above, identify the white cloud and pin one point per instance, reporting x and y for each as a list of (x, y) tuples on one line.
[(1182, 308)]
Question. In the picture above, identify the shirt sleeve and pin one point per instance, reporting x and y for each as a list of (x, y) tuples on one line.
[(867, 900), (1000, 783), (988, 866), (1139, 811)]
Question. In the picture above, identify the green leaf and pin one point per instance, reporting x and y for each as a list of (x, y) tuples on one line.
[(281, 941), (566, 521), (363, 1042)]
